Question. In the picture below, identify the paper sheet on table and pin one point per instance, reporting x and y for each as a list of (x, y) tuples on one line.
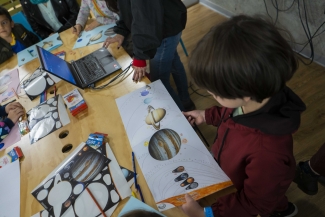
[(135, 204), (173, 159), (10, 190), (50, 43), (95, 36), (8, 82), (12, 138)]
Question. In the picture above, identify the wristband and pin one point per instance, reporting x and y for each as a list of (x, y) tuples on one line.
[(208, 211)]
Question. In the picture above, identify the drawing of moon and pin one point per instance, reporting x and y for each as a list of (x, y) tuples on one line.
[(181, 177), (147, 100), (192, 186), (155, 116), (88, 167), (164, 144), (178, 169)]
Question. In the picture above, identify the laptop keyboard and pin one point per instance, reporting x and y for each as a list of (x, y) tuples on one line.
[(89, 69)]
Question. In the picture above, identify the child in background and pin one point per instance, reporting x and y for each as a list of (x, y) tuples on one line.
[(13, 37), (102, 13), (244, 63), (10, 113), (141, 213)]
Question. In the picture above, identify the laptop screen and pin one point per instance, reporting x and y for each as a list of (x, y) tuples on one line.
[(56, 65)]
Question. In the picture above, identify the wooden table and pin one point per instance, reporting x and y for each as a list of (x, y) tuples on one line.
[(102, 116)]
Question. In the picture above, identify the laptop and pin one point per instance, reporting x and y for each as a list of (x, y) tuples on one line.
[(83, 72)]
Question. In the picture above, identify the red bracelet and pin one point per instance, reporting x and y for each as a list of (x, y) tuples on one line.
[(139, 63)]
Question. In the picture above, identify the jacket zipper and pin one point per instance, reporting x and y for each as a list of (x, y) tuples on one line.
[(223, 139)]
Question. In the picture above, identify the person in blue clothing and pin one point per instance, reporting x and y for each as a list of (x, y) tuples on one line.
[(13, 36), (10, 114)]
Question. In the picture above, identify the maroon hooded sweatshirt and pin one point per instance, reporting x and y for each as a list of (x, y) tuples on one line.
[(256, 151)]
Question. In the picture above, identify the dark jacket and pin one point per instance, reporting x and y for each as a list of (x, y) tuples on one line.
[(5, 123), (64, 10), (149, 22), (255, 150), (22, 35)]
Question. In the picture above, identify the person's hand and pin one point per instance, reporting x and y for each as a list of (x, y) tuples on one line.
[(92, 25), (12, 105), (117, 38), (77, 29), (15, 114), (195, 116), (139, 73), (191, 208)]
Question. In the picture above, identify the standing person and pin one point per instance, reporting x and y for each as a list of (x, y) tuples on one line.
[(155, 28), (13, 37), (47, 17), (310, 172), (101, 12), (244, 63)]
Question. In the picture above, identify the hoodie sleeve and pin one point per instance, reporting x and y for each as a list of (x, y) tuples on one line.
[(269, 174), (147, 27), (213, 115)]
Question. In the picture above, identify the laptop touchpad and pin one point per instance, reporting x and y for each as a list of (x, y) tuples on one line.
[(106, 60)]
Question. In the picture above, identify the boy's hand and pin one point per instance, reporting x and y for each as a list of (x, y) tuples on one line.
[(139, 73), (92, 25), (117, 38), (192, 208), (13, 105), (77, 29), (195, 116), (15, 114)]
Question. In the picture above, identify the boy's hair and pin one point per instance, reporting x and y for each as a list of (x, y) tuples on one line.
[(4, 11), (141, 213), (243, 57)]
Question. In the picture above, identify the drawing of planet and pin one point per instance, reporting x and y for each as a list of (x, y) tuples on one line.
[(192, 186), (144, 93), (181, 177), (88, 166), (23, 59), (109, 32), (184, 141), (146, 143), (125, 172), (164, 144), (147, 100), (155, 116), (79, 40), (178, 169), (187, 181)]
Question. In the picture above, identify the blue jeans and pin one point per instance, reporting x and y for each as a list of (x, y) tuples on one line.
[(166, 62)]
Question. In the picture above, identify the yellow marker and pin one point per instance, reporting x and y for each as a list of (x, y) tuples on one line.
[(134, 195)]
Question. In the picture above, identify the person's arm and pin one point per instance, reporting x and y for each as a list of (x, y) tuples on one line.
[(73, 8), (266, 184), (147, 27), (83, 13), (214, 114), (38, 29), (5, 53), (6, 124), (31, 37)]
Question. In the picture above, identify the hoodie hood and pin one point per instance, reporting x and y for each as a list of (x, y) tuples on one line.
[(279, 116)]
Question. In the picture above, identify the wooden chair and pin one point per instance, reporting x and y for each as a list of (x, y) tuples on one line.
[(13, 6)]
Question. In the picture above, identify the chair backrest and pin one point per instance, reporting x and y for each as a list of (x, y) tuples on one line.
[(21, 18), (13, 6)]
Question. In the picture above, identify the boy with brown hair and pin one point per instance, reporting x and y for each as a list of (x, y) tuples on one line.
[(244, 63), (13, 37)]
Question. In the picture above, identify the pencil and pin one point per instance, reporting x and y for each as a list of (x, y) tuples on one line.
[(13, 90), (97, 204)]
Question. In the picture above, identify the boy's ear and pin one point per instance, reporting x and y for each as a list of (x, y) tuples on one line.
[(12, 24)]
